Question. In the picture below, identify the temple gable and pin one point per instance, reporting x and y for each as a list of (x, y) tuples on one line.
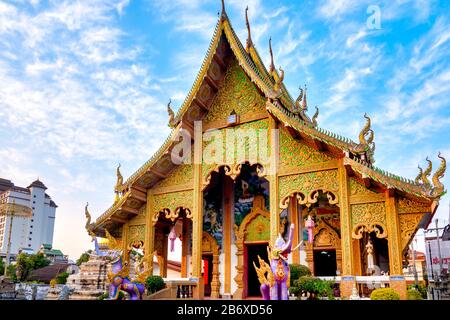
[(236, 93)]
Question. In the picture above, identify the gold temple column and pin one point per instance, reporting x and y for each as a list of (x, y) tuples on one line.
[(215, 281), (149, 243), (397, 280), (273, 180), (125, 242), (347, 277), (293, 212), (227, 227), (197, 212), (184, 247)]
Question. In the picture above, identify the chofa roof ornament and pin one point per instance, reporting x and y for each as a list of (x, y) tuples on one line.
[(436, 189), (172, 123), (366, 144)]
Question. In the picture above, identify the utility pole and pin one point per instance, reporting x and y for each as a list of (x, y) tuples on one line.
[(439, 247)]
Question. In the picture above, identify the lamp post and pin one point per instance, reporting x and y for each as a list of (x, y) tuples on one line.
[(12, 210)]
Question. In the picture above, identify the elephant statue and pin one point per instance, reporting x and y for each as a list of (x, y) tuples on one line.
[(275, 277)]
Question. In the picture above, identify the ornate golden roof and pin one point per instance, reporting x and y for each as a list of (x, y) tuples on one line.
[(281, 105)]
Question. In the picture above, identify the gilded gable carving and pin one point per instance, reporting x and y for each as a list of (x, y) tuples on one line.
[(243, 149), (295, 154), (408, 224), (357, 188), (236, 92), (181, 174), (369, 217), (406, 205), (136, 233), (307, 184), (172, 201)]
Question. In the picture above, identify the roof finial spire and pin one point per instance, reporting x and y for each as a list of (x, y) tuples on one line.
[(223, 14), (272, 65), (304, 102), (249, 38)]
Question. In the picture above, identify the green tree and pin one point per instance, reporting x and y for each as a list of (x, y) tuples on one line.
[(11, 272), (2, 267), (25, 264), (84, 257), (62, 278), (297, 271)]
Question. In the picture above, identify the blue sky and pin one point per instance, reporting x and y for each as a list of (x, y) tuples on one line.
[(84, 84)]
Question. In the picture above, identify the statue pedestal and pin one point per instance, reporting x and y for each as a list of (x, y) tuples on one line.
[(92, 280)]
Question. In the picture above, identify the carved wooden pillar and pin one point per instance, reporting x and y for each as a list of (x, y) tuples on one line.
[(339, 260), (150, 232), (348, 279), (239, 278), (293, 212), (125, 257), (184, 247), (228, 213), (164, 262), (357, 257), (197, 212), (397, 280), (310, 256), (215, 282), (273, 180)]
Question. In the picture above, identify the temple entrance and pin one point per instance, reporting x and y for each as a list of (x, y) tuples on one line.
[(252, 253), (374, 255), (207, 270), (325, 263)]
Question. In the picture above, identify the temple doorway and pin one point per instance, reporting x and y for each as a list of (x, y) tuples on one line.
[(325, 263), (252, 253), (207, 270)]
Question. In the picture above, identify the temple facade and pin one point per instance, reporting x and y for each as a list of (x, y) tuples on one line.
[(243, 162)]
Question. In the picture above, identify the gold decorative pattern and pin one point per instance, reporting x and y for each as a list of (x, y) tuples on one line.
[(136, 233), (236, 93), (368, 217), (258, 229), (170, 203), (295, 154), (357, 188), (181, 174), (233, 164), (408, 225), (406, 205), (307, 185)]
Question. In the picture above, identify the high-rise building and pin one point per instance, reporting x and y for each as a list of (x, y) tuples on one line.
[(28, 233)]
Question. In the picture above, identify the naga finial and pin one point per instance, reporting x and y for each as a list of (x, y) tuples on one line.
[(365, 130), (366, 137), (419, 176), (438, 187), (298, 101), (119, 184), (279, 81), (426, 173), (304, 102), (314, 118), (272, 65), (88, 220), (249, 37), (171, 115)]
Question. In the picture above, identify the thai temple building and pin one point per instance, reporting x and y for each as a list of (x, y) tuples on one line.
[(243, 162)]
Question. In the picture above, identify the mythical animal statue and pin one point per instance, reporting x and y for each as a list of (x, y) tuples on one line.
[(275, 285), (366, 143), (119, 279)]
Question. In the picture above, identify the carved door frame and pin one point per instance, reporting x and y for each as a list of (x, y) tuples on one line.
[(334, 245), (258, 209), (210, 246)]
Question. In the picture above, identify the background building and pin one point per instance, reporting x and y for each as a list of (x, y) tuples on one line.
[(28, 234)]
